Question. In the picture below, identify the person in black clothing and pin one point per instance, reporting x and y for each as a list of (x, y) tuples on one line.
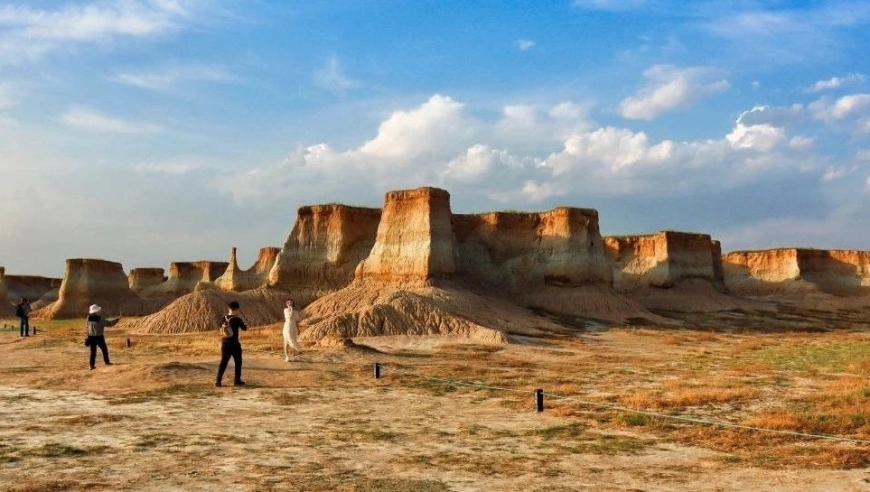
[(230, 345), (96, 338), (22, 310)]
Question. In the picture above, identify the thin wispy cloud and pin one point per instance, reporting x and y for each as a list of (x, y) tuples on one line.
[(525, 44), (332, 78), (6, 98), (88, 119), (836, 82), (172, 76), (29, 33), (669, 88)]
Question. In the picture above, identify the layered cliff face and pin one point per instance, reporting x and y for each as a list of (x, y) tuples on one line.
[(419, 277), (662, 260), (798, 270), (29, 286), (183, 278), (414, 240), (560, 247), (324, 248), (140, 279), (90, 281), (236, 279)]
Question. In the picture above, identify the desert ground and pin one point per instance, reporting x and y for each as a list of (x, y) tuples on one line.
[(446, 415)]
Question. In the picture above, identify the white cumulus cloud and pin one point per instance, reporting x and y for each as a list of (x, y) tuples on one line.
[(670, 88)]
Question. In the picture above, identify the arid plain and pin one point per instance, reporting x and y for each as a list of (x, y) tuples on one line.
[(665, 364)]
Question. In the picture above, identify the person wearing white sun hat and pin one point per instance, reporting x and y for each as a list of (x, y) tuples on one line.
[(95, 326)]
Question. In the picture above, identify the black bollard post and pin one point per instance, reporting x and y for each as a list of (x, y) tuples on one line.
[(34, 330), (377, 370), (539, 400), (128, 343)]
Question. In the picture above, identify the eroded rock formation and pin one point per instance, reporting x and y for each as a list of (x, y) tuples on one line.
[(527, 250), (30, 286), (140, 279), (236, 279), (798, 270), (91, 281), (5, 306), (324, 248), (183, 277)]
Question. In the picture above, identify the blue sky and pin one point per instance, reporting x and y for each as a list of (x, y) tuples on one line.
[(150, 131)]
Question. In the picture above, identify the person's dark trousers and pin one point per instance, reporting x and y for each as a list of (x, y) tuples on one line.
[(25, 326), (230, 348), (99, 342)]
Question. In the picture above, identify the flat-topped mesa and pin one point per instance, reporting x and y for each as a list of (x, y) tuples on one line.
[(141, 278), (798, 270), (30, 286), (184, 276), (236, 279), (90, 281), (561, 247), (662, 260), (324, 248), (415, 241)]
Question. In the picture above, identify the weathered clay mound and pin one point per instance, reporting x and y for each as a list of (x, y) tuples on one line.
[(590, 303), (369, 308), (324, 248), (235, 279), (49, 297), (140, 279), (183, 277), (523, 251), (201, 311), (415, 239), (90, 281), (797, 271)]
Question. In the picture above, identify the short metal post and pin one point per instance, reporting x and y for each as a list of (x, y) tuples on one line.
[(128, 343), (539, 400), (377, 370), (34, 330)]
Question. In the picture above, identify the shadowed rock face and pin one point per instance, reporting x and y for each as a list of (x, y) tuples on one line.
[(236, 279), (324, 248), (141, 278), (90, 281), (414, 240), (662, 260), (29, 286), (183, 277), (561, 247), (5, 305), (796, 270)]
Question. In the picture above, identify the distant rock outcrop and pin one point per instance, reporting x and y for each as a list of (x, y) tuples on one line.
[(91, 281), (140, 279), (183, 277), (237, 280), (324, 248), (671, 271), (6, 308), (407, 285), (30, 286), (797, 271), (560, 247)]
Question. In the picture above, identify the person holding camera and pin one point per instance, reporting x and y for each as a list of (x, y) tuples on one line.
[(95, 325), (231, 323)]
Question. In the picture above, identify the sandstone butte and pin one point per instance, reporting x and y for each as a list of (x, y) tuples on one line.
[(414, 267)]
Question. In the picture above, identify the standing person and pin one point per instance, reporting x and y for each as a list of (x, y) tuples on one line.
[(96, 324), (230, 345), (22, 310), (291, 328)]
